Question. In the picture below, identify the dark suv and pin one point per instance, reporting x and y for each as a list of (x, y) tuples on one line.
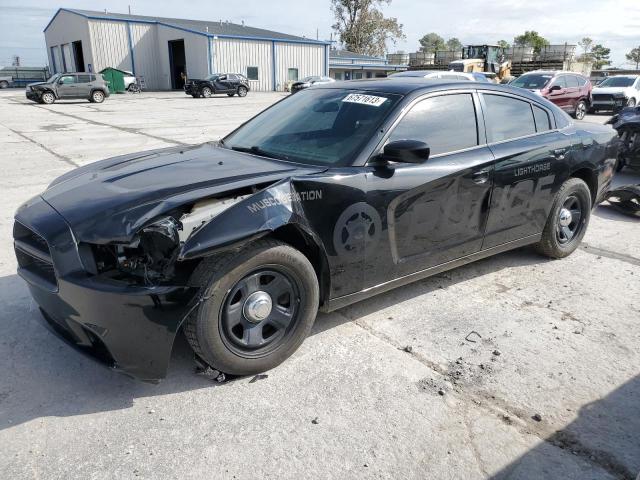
[(68, 86), (229, 83), (570, 91)]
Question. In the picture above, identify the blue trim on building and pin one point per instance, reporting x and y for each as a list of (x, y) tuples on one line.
[(53, 60), (133, 60), (274, 64), (210, 62), (64, 61)]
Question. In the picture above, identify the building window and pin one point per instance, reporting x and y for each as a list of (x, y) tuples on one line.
[(369, 74), (357, 75), (338, 75), (252, 73), (292, 74)]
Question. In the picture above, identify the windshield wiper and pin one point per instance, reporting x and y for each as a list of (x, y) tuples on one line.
[(259, 151)]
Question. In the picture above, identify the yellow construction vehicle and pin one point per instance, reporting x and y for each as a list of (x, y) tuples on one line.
[(484, 58)]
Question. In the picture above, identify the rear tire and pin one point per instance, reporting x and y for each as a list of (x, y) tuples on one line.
[(48, 98), (571, 204), (581, 110), (229, 331), (97, 96), (242, 91)]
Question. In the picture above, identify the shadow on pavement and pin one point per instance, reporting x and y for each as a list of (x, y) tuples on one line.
[(606, 433)]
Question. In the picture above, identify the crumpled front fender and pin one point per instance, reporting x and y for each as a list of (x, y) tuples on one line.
[(254, 217)]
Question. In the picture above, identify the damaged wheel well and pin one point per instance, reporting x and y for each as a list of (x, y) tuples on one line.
[(303, 242)]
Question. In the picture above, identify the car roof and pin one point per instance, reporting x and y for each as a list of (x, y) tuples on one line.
[(408, 85), (552, 72), (414, 73)]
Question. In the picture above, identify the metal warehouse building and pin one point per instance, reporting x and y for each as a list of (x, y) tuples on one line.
[(160, 49)]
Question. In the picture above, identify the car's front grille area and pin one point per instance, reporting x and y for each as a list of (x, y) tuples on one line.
[(601, 97), (33, 255)]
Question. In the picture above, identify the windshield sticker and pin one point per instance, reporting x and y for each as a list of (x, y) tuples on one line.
[(364, 99)]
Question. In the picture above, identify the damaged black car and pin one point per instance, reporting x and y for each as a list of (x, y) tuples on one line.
[(324, 199)]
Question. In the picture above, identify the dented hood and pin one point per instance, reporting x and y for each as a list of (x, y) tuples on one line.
[(109, 200)]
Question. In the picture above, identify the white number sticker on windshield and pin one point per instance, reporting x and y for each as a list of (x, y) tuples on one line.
[(364, 99)]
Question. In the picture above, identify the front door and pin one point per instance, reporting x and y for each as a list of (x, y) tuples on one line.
[(67, 87), (529, 154), (433, 212), (562, 96)]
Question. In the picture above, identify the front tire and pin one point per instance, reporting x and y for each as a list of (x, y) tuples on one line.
[(581, 110), (48, 98), (206, 92), (260, 305), (242, 91), (568, 220), (4, 84), (631, 102)]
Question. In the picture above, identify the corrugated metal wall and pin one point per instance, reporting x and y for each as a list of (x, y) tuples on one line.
[(308, 59), (57, 57), (234, 56), (68, 62), (146, 54), (110, 41)]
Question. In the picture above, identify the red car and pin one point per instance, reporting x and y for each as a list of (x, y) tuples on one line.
[(569, 91)]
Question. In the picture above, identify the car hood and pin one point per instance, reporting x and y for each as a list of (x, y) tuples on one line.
[(109, 200), (609, 90), (37, 84)]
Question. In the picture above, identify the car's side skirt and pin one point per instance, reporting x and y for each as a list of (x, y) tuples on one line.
[(345, 300)]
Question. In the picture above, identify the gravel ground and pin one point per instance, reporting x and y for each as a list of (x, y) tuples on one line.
[(512, 367)]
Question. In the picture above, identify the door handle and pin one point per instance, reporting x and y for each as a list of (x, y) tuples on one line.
[(559, 153), (480, 177)]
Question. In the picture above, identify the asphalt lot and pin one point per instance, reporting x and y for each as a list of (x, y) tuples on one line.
[(493, 344)]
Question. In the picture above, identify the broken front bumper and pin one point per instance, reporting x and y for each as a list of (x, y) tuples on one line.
[(127, 327)]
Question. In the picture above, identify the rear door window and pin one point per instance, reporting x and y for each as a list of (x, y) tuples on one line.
[(543, 123), (507, 118), (446, 123), (572, 81)]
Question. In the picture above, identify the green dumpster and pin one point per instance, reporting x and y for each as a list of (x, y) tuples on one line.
[(115, 78)]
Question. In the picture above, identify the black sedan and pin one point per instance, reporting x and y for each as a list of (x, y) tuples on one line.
[(326, 198), (229, 83)]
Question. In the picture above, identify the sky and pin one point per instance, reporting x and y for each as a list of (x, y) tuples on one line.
[(614, 23)]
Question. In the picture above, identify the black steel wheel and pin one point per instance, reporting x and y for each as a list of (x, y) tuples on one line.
[(242, 91), (260, 305), (567, 221)]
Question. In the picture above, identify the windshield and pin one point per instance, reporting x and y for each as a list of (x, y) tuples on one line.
[(310, 79), (618, 82), (316, 126), (532, 81), (211, 78), (53, 78)]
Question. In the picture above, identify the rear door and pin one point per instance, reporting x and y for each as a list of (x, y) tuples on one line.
[(530, 154), (436, 211), (83, 85)]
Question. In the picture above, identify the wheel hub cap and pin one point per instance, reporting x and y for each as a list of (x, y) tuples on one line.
[(565, 217), (257, 307)]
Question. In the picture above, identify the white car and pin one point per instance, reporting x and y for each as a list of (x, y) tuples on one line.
[(616, 92), (435, 74), (129, 79)]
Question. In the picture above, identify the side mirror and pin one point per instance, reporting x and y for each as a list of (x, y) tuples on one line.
[(406, 151), (555, 88), (60, 82)]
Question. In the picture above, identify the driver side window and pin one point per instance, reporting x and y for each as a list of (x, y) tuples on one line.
[(68, 79), (446, 123), (560, 81)]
